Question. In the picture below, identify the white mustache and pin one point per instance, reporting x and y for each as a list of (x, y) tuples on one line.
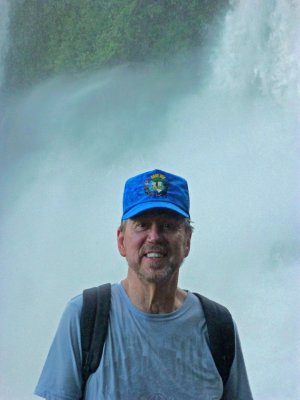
[(154, 249)]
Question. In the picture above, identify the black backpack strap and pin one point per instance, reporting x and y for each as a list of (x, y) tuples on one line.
[(93, 328), (221, 335)]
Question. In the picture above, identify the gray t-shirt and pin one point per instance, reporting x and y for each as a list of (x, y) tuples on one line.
[(145, 357)]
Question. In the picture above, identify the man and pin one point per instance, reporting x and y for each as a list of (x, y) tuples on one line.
[(157, 346)]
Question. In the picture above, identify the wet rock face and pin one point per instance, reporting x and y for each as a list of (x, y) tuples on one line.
[(49, 37)]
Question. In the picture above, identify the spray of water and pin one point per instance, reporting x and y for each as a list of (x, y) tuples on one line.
[(260, 50), (68, 146)]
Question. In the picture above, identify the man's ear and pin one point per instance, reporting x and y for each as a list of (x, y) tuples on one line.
[(120, 239), (188, 244)]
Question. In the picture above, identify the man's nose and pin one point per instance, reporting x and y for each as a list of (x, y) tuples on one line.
[(154, 233)]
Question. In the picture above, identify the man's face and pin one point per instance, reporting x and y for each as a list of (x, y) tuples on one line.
[(155, 244)]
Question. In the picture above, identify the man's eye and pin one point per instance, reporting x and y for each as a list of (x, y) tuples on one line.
[(141, 225), (169, 226)]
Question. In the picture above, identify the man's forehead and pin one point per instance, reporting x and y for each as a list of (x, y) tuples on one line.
[(158, 212)]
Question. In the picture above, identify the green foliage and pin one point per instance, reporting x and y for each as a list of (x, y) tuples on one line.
[(53, 36)]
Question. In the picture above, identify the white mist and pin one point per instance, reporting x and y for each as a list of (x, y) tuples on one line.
[(68, 146)]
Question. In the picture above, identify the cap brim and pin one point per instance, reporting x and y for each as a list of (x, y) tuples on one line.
[(151, 205)]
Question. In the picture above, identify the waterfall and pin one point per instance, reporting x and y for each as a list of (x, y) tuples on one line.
[(260, 49)]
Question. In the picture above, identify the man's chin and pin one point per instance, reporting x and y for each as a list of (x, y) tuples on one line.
[(156, 275)]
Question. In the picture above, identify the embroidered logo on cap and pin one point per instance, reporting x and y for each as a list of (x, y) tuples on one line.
[(157, 185)]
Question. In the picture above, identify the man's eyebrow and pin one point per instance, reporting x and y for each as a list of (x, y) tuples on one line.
[(140, 219)]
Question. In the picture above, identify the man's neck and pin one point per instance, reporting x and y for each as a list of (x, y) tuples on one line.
[(153, 298)]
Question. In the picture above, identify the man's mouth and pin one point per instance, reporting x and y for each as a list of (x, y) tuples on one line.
[(154, 255)]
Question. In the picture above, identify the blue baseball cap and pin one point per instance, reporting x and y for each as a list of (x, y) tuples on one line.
[(155, 189)]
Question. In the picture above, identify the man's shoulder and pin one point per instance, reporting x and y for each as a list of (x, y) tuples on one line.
[(76, 301), (73, 307), (211, 303)]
